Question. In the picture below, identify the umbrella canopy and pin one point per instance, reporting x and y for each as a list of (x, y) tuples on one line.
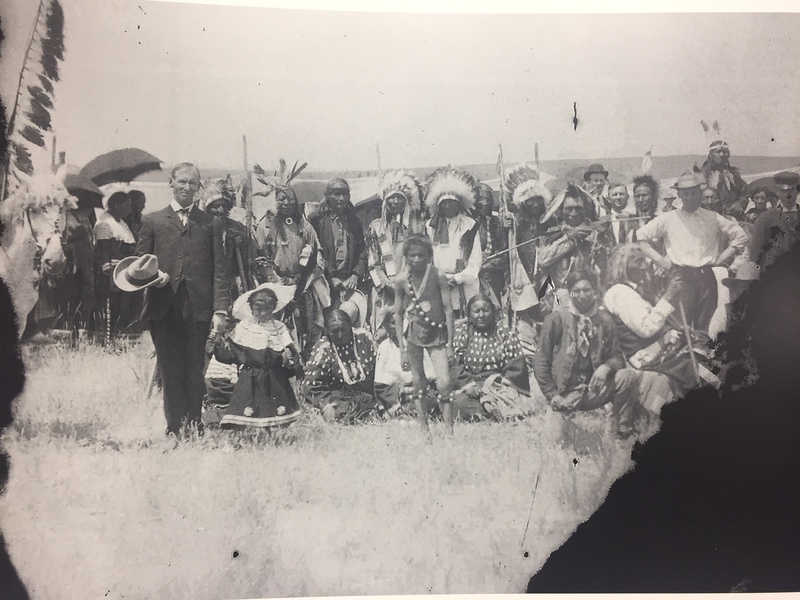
[(122, 165)]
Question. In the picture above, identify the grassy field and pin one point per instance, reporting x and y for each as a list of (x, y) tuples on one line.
[(99, 505)]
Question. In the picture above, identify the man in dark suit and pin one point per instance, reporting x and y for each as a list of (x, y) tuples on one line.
[(192, 295)]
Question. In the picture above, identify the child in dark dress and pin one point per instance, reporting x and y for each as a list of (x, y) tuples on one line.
[(267, 358), (424, 314)]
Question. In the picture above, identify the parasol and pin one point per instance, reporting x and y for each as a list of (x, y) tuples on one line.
[(122, 165)]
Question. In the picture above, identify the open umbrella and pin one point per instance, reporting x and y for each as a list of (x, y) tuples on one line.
[(122, 165)]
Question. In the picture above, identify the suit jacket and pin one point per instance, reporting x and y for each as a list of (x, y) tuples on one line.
[(193, 254), (555, 358), (356, 261)]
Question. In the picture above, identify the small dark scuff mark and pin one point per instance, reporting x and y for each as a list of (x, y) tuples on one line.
[(575, 462), (575, 116), (235, 554), (526, 554), (140, 8), (107, 593), (773, 139)]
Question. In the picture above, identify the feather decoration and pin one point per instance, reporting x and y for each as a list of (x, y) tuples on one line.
[(647, 161), (704, 125), (47, 85), (34, 136), (281, 179), (522, 183), (453, 183), (715, 126), (39, 96), (400, 181), (31, 116), (22, 158)]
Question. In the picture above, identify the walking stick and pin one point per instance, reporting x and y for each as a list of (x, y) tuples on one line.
[(687, 330), (153, 379)]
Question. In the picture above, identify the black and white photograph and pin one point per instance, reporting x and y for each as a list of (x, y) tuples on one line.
[(360, 301)]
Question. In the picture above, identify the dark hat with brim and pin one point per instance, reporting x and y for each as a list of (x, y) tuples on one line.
[(594, 168), (786, 180)]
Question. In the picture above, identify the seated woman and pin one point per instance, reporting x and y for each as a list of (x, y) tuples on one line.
[(651, 337), (263, 349), (340, 375), (492, 377)]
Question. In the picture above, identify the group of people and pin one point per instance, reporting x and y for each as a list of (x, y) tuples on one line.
[(452, 302), (84, 296)]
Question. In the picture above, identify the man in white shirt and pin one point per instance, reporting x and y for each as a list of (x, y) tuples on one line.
[(691, 240), (619, 213)]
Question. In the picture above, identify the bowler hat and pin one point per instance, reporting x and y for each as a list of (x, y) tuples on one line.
[(688, 180), (594, 168), (786, 180), (134, 273)]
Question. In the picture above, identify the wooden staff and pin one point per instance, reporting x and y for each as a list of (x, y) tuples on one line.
[(688, 332), (512, 232), (551, 232)]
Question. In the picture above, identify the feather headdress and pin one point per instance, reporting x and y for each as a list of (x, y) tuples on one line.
[(281, 179), (395, 182), (215, 190), (448, 182), (30, 117), (522, 183)]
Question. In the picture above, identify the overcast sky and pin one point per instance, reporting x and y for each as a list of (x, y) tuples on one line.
[(186, 81)]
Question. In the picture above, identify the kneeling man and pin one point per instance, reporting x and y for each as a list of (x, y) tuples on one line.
[(579, 365)]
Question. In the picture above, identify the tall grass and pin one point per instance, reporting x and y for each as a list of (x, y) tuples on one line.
[(98, 503)]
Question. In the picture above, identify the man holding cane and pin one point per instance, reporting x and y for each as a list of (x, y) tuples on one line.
[(191, 295), (691, 240)]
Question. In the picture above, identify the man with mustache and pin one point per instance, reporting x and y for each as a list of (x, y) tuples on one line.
[(191, 295)]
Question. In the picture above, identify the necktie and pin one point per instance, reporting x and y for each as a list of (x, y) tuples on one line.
[(183, 215)]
